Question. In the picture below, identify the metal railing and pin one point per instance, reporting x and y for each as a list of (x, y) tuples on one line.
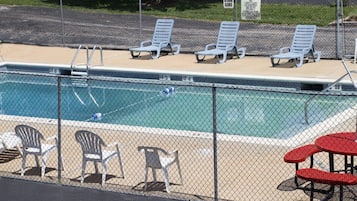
[(89, 56), (348, 73), (216, 165)]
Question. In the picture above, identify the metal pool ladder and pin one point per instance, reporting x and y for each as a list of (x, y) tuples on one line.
[(83, 69), (348, 73)]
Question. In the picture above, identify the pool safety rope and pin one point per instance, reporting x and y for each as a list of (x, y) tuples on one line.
[(168, 91)]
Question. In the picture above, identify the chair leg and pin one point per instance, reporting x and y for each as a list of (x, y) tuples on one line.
[(104, 173), (317, 54), (37, 161), (133, 55), (300, 62), (179, 169), (166, 179), (121, 164), (19, 149), (235, 52), (146, 178), (221, 61), (43, 165), (157, 54), (96, 167), (241, 52), (176, 49), (274, 63), (200, 59), (84, 163), (23, 164), (154, 174)]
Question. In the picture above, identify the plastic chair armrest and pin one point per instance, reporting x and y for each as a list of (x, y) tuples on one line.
[(54, 137), (210, 46), (112, 144), (145, 43), (284, 50), (175, 153), (163, 43)]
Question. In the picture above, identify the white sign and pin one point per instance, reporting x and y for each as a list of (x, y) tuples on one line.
[(250, 9), (228, 4)]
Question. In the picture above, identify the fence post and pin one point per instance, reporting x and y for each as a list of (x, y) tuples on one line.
[(214, 121), (340, 46), (62, 22), (59, 141)]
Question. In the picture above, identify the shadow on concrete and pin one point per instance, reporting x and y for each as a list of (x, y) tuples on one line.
[(22, 190)]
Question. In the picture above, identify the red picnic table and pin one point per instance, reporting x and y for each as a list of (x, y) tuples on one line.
[(343, 143)]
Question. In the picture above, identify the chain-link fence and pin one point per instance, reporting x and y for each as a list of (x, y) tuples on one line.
[(230, 139)]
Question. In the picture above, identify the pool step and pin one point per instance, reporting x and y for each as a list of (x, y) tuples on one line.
[(79, 82), (79, 70), (79, 73)]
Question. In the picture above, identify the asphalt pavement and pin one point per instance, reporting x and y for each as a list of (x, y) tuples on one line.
[(24, 190), (45, 26)]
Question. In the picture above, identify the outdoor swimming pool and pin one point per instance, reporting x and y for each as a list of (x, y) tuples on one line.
[(240, 111)]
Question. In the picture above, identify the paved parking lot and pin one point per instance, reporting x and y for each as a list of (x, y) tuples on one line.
[(43, 26)]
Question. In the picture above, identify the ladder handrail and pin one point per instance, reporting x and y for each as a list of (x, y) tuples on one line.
[(89, 59), (89, 56), (88, 64), (76, 53), (349, 73)]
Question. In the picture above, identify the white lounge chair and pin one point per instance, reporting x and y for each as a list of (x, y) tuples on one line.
[(161, 40), (302, 47), (158, 158), (226, 44), (92, 150), (31, 140)]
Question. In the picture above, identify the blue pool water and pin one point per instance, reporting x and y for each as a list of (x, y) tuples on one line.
[(242, 112)]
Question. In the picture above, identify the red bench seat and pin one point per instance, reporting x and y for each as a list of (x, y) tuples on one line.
[(324, 177), (331, 178), (300, 154)]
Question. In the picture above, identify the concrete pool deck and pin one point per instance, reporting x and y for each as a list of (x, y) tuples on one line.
[(186, 63), (237, 177)]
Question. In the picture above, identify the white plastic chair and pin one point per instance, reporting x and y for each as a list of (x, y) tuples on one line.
[(9, 140), (302, 47), (92, 150), (158, 158), (226, 43), (31, 144), (161, 40)]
